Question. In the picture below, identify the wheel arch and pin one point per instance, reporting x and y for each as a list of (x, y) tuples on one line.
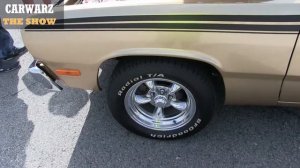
[(201, 60)]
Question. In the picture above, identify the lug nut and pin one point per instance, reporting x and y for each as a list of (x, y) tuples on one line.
[(162, 91)]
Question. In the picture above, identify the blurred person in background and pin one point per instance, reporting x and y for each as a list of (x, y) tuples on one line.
[(9, 53)]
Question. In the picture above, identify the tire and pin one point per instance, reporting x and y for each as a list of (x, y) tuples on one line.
[(171, 113)]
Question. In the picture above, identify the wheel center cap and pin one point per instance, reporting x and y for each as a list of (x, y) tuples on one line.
[(160, 101)]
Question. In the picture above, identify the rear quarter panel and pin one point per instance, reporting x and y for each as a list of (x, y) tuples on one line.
[(252, 64)]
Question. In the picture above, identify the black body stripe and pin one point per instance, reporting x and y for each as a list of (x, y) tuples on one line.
[(160, 30), (172, 26), (92, 25), (229, 18)]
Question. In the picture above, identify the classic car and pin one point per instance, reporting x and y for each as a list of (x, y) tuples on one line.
[(178, 61)]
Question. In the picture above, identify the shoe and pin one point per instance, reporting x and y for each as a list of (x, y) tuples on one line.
[(12, 62), (16, 52)]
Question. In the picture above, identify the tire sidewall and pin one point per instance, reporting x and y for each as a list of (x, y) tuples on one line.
[(201, 90)]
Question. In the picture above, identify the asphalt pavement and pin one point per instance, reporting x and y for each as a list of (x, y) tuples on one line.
[(74, 128)]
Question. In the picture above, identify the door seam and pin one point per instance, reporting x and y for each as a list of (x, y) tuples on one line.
[(288, 67)]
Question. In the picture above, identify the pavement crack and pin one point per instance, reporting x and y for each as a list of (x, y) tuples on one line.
[(16, 93)]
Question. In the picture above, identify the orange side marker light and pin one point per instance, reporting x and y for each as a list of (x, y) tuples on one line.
[(68, 72)]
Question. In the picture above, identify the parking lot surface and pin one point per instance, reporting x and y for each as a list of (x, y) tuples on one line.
[(74, 128)]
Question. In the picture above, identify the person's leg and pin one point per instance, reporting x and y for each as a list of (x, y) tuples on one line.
[(9, 53), (7, 62), (6, 41), (32, 1), (28, 1), (47, 2)]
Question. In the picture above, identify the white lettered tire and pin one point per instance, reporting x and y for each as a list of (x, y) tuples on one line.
[(161, 98)]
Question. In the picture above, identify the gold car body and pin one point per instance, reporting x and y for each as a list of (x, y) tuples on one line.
[(253, 45)]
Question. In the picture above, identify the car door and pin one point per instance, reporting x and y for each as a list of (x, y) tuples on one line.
[(291, 85)]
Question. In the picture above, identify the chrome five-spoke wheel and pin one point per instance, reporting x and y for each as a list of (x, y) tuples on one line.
[(160, 104)]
